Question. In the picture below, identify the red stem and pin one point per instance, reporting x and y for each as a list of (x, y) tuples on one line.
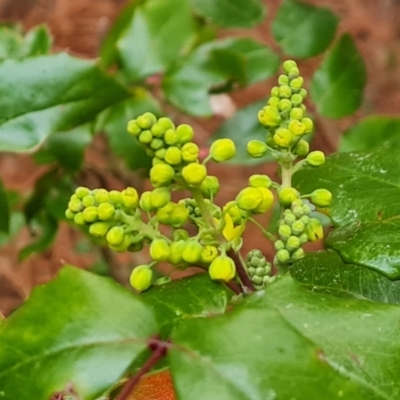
[(247, 283)]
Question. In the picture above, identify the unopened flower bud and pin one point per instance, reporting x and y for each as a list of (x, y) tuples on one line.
[(287, 195), (308, 123), (173, 155), (115, 197), (285, 231), (279, 245), (208, 254), (79, 219), (298, 227), (274, 100), (90, 214), (190, 152), (222, 269), (176, 250), (267, 201), (133, 128), (210, 186), (166, 123), (192, 252), (285, 92), (302, 148), (158, 130), (293, 243), (101, 195), (180, 234), (283, 256), (179, 215), (99, 229), (314, 230), (145, 201), (298, 254), (155, 144), (288, 65), (145, 137), (249, 198), (222, 150), (275, 91), (283, 137), (316, 158), (296, 127), (194, 174), (171, 137), (185, 133), (296, 100), (296, 113), (146, 120), (257, 148), (105, 211), (297, 83), (159, 250), (258, 180), (81, 192), (141, 277), (269, 116), (283, 80), (159, 197), (161, 174), (321, 197)]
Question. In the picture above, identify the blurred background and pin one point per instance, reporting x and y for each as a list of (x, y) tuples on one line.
[(81, 28)]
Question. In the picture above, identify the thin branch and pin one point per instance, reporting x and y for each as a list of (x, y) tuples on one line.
[(247, 283)]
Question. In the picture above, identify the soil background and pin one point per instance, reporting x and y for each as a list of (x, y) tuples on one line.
[(78, 26)]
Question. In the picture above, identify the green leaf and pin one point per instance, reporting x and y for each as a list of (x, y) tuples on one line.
[(11, 43), (192, 297), (303, 30), (338, 84), (290, 343), (113, 122), (80, 330), (17, 222), (231, 14), (37, 41), (156, 35), (326, 272), (370, 133), (365, 186), (68, 147), (241, 128), (188, 83), (4, 210), (46, 94)]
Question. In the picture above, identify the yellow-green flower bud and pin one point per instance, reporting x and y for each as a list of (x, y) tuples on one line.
[(293, 73), (316, 158), (75, 205), (258, 180), (180, 234), (298, 211), (267, 202), (192, 252), (293, 243), (146, 120), (161, 174), (130, 198), (296, 127), (249, 198), (298, 227), (321, 197), (208, 254), (257, 148), (145, 201), (269, 116), (296, 113), (308, 123), (81, 192), (190, 152), (159, 198), (179, 215), (275, 91), (101, 195), (88, 201), (210, 186), (303, 238), (283, 137), (222, 150), (185, 133), (285, 231), (155, 144), (194, 174), (171, 137), (297, 83), (166, 123), (176, 250), (173, 155), (157, 130), (105, 211), (283, 80), (305, 219), (288, 65), (285, 105), (141, 277), (234, 211), (285, 92), (296, 100), (133, 128), (303, 93), (159, 250), (302, 148), (314, 230), (274, 100), (159, 157), (99, 229), (145, 137), (115, 235), (69, 214), (287, 195), (115, 197), (222, 269), (298, 254), (289, 218), (90, 214), (279, 245), (283, 256), (79, 219)]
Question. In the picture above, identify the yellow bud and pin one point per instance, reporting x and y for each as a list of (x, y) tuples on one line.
[(222, 269), (249, 198), (309, 125), (258, 180), (115, 235), (161, 174), (185, 133), (267, 202), (159, 250), (302, 148), (173, 156), (287, 195), (133, 128), (210, 186), (99, 229), (164, 213), (176, 250), (141, 277), (316, 158), (269, 116), (90, 214), (314, 230), (190, 152), (159, 197), (257, 148), (321, 197), (208, 254), (296, 127), (283, 137), (145, 201), (194, 174), (130, 198), (105, 211), (192, 251), (222, 150), (179, 215)]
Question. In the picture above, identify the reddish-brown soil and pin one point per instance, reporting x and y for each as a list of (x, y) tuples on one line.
[(79, 26)]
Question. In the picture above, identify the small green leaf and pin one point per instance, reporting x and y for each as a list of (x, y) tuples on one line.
[(17, 222), (192, 297), (80, 330), (325, 272), (113, 122), (241, 128), (231, 14), (37, 41), (370, 133), (365, 186), (188, 83), (156, 35), (11, 43), (303, 30), (290, 343), (45, 94), (4, 210), (374, 244), (338, 84)]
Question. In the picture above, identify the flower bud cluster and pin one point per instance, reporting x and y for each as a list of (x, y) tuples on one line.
[(295, 229), (258, 269)]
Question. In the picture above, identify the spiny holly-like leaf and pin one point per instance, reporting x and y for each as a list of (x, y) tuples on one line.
[(290, 343), (338, 84), (45, 94), (155, 36), (231, 14), (193, 297), (365, 206), (188, 83), (325, 271), (303, 30), (80, 331), (370, 133), (365, 186)]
